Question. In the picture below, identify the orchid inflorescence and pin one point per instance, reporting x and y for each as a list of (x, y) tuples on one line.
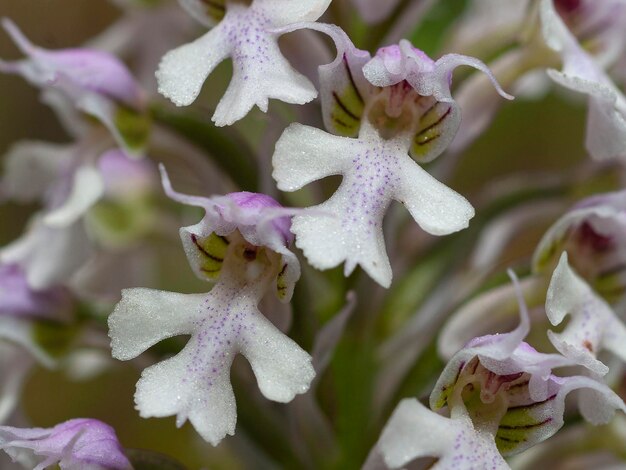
[(445, 365)]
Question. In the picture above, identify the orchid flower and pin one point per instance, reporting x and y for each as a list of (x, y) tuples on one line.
[(69, 180), (241, 243), (586, 36), (382, 109), (508, 389), (247, 35), (415, 432), (593, 327), (77, 444), (592, 233), (502, 399), (93, 82), (606, 123)]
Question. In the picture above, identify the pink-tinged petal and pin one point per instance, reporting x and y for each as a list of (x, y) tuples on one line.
[(505, 355), (593, 327), (438, 116), (93, 82), (195, 384), (18, 299), (508, 389), (260, 71), (88, 70), (375, 11), (606, 124), (123, 176), (393, 64), (415, 432), (261, 221), (596, 25), (74, 445)]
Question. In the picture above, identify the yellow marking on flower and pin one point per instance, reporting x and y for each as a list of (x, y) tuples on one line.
[(212, 251), (431, 127), (281, 283), (348, 107)]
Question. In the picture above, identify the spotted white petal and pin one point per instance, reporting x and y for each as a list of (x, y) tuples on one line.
[(146, 316), (435, 207), (260, 71), (195, 384), (348, 227), (593, 326), (414, 432)]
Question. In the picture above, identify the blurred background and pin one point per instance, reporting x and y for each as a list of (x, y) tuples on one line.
[(528, 139)]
